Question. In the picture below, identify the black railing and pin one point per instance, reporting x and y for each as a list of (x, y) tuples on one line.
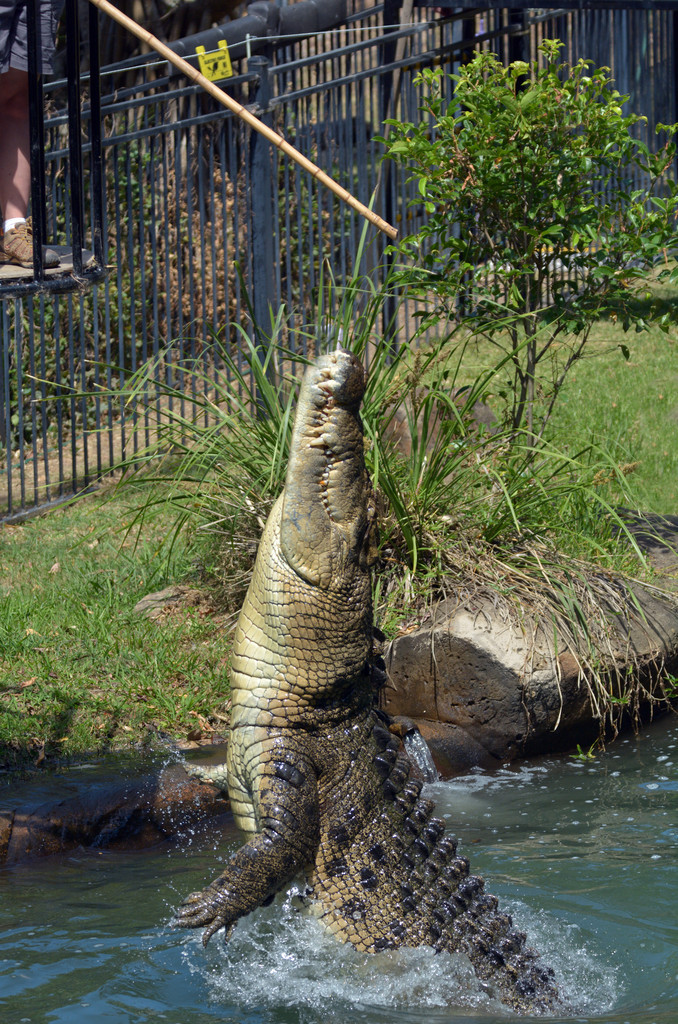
[(79, 266), (197, 204)]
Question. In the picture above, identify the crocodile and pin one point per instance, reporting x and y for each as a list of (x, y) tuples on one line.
[(317, 780)]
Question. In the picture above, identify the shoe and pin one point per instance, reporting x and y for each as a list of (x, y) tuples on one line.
[(17, 248)]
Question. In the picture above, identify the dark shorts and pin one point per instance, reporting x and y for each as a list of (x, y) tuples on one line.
[(14, 34)]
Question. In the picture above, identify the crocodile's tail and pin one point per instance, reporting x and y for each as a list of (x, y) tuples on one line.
[(398, 881)]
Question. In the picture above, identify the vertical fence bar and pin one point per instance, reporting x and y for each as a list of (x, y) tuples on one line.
[(74, 132), (32, 425), (59, 397), (44, 421), (143, 235), (261, 209), (19, 366), (95, 139), (37, 136), (5, 418)]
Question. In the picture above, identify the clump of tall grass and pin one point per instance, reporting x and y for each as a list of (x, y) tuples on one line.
[(219, 444)]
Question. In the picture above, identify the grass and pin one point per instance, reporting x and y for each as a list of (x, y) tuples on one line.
[(627, 406), (79, 669), (632, 407)]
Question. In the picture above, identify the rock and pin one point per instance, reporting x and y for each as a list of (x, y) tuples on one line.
[(153, 605), (453, 750), (121, 816), (657, 537), (491, 685), (465, 670)]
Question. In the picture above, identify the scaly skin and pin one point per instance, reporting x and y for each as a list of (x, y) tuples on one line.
[(314, 775)]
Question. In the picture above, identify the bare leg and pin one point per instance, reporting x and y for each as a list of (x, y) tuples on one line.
[(15, 168)]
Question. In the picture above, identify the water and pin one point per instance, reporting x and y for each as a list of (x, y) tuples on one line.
[(419, 754), (584, 855)]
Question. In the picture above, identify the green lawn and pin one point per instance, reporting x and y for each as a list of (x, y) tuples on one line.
[(631, 407), (79, 670)]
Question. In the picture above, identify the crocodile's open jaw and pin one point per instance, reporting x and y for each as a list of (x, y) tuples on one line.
[(327, 457)]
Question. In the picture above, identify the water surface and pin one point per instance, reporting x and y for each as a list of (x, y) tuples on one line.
[(583, 854)]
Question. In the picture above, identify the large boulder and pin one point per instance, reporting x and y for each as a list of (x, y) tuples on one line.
[(491, 681)]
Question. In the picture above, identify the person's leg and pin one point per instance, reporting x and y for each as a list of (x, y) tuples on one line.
[(16, 245), (15, 167), (15, 172)]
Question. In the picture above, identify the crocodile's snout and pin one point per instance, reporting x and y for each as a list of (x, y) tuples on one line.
[(339, 375)]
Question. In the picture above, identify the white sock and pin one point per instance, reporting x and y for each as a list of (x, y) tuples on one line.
[(12, 223)]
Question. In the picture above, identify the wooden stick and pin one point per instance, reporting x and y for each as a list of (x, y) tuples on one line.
[(242, 112)]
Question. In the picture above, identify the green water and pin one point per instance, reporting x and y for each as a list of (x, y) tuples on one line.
[(585, 857)]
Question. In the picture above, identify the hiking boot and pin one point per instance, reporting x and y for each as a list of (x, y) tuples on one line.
[(17, 248)]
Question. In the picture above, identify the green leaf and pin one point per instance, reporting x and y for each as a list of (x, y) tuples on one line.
[(528, 98)]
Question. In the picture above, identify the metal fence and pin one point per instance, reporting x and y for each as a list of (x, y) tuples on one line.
[(201, 212)]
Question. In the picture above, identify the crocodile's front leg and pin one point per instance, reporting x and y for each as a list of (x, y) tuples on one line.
[(284, 795)]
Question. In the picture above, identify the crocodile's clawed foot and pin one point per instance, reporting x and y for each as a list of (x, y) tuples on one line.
[(205, 908)]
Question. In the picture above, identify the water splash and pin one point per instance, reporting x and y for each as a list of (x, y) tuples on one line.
[(420, 755), (281, 958), (587, 983)]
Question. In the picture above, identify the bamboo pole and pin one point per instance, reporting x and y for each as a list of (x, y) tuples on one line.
[(243, 113)]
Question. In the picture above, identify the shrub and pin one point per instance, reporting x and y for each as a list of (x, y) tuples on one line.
[(545, 213)]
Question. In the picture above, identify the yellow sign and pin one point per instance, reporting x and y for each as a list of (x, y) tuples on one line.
[(216, 64)]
